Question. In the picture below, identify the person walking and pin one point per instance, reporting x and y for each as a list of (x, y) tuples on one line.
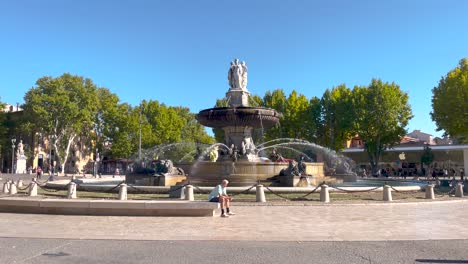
[(219, 195)]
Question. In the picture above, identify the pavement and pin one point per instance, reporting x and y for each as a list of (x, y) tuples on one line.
[(419, 232)]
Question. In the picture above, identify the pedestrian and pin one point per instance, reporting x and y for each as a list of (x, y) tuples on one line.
[(462, 173), (39, 172), (219, 195)]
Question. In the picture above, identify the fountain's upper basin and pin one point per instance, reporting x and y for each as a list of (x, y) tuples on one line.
[(256, 117)]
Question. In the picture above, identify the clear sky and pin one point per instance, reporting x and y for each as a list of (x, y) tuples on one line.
[(178, 52)]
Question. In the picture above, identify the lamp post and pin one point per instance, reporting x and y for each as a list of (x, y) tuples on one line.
[(51, 166), (13, 141), (96, 161)]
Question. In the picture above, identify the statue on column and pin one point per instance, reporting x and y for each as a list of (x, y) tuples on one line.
[(237, 75), (20, 150)]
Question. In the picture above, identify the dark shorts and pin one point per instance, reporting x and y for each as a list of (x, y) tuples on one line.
[(214, 200)]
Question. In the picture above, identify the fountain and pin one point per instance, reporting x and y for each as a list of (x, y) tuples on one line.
[(237, 159)]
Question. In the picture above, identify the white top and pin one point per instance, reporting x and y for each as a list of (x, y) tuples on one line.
[(218, 190)]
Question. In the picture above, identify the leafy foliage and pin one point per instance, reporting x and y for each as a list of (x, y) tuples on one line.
[(450, 102), (381, 114)]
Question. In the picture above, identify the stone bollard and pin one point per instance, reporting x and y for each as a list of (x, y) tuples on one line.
[(123, 192), (387, 193), (324, 195), (32, 189), (71, 190), (19, 184), (13, 189), (6, 187), (260, 194), (430, 191), (459, 190), (189, 193)]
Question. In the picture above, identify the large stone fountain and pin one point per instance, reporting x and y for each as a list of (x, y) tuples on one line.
[(238, 161)]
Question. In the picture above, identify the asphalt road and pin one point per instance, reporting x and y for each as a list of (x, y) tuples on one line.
[(20, 250)]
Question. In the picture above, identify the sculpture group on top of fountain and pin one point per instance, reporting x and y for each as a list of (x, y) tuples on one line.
[(237, 75)]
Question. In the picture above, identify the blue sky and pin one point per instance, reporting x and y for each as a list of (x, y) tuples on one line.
[(178, 52)]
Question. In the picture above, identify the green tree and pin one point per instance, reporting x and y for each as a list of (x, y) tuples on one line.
[(64, 108), (336, 117), (381, 114), (278, 101), (450, 102), (427, 157)]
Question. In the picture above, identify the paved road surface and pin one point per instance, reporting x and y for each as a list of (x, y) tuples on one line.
[(50, 251)]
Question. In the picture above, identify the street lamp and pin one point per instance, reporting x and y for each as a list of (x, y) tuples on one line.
[(96, 161), (51, 166), (13, 141)]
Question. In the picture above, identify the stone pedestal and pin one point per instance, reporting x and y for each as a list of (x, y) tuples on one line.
[(6, 187), (20, 166), (459, 190), (13, 189), (387, 193), (324, 194), (260, 194), (71, 190), (32, 189), (189, 193), (238, 97), (123, 192), (430, 191)]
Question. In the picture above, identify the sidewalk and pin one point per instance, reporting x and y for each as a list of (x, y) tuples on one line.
[(414, 221)]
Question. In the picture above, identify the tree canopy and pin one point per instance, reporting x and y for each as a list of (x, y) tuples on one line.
[(381, 113), (450, 102)]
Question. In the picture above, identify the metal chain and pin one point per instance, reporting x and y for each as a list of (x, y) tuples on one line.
[(244, 191), (18, 188), (354, 191)]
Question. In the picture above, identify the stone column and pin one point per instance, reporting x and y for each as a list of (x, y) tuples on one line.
[(6, 187), (387, 193), (123, 192), (189, 193), (13, 189), (430, 191), (19, 184), (324, 195), (71, 190), (33, 189), (260, 194), (458, 190)]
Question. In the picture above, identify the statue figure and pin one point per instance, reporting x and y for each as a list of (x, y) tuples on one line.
[(214, 154), (244, 76), (167, 167), (301, 166), (237, 75), (20, 151), (291, 170), (235, 154)]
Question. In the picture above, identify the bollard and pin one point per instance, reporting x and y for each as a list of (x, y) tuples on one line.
[(387, 193), (32, 189), (71, 190), (19, 184), (123, 192), (13, 189), (189, 193), (6, 187), (324, 195), (260, 194), (430, 191), (459, 190)]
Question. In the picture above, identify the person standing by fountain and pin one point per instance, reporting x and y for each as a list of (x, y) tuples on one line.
[(219, 195)]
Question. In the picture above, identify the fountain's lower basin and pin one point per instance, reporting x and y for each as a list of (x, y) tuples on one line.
[(244, 173)]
